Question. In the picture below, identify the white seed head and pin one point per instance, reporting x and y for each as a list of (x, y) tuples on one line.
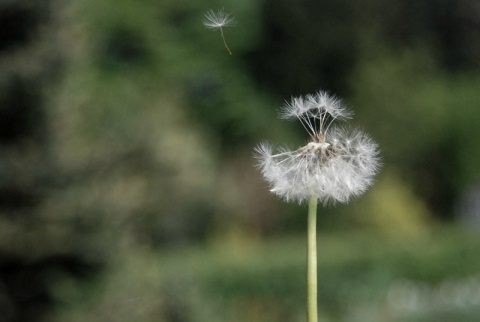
[(217, 20), (334, 167)]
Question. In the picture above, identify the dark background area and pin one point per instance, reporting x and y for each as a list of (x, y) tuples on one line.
[(127, 186)]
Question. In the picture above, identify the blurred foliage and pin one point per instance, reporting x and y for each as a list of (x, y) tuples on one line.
[(420, 123), (128, 191), (362, 277)]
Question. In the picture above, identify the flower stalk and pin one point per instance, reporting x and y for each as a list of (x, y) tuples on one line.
[(312, 310)]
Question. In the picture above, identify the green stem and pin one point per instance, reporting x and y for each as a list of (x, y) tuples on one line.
[(312, 314)]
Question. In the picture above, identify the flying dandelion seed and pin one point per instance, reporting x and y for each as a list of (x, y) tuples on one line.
[(218, 20)]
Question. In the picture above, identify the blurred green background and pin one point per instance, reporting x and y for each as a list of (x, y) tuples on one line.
[(127, 186)]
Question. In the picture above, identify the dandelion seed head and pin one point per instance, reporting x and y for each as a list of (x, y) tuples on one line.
[(335, 166)]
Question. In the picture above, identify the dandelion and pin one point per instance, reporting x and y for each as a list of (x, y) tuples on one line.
[(218, 20), (334, 166)]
